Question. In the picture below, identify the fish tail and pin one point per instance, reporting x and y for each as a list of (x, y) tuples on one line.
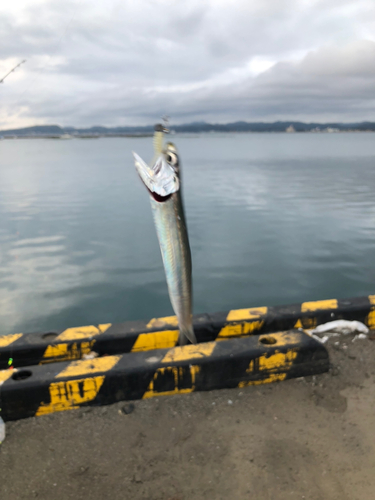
[(186, 335)]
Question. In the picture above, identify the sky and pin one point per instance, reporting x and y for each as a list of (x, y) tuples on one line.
[(128, 62)]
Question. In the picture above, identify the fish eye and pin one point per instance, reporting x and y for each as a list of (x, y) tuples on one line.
[(172, 158)]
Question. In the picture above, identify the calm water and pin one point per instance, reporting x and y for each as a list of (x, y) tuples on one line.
[(273, 219)]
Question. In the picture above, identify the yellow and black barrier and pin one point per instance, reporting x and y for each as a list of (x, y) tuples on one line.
[(259, 359), (21, 349)]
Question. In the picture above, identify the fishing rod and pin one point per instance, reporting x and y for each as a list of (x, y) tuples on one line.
[(11, 71)]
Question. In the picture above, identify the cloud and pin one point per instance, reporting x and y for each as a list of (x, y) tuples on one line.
[(125, 62)]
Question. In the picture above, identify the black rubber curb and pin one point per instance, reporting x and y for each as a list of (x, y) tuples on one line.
[(39, 390), (133, 336)]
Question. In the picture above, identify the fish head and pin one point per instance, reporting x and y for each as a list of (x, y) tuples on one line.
[(162, 178), (172, 158)]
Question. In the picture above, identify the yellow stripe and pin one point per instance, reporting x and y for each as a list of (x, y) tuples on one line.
[(66, 352), (185, 352), (371, 298), (282, 338), (70, 394), (5, 374), (276, 362), (80, 332), (275, 377), (371, 320), (306, 323), (239, 329), (156, 340), (87, 366), (177, 373), (104, 328), (246, 314), (319, 304), (9, 339), (163, 322)]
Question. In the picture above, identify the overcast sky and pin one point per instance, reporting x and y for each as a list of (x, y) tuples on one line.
[(125, 62)]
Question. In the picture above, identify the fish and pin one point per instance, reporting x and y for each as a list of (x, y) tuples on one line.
[(163, 182)]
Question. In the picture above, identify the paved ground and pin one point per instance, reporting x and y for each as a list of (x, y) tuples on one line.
[(312, 439)]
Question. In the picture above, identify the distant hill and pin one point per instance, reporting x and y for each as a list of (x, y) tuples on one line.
[(196, 127), (38, 130)]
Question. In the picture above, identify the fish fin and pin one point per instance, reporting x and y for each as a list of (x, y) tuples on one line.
[(187, 335)]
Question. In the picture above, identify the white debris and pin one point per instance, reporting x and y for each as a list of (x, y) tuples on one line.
[(90, 355), (2, 430), (361, 336), (340, 326), (153, 359), (321, 340), (230, 402)]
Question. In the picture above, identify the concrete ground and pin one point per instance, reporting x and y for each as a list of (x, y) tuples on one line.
[(311, 438)]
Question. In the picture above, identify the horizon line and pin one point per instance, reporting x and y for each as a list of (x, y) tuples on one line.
[(196, 123)]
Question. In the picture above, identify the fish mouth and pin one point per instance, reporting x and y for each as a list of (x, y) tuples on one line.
[(160, 180), (158, 197)]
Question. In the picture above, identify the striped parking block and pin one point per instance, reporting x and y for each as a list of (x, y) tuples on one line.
[(134, 336), (39, 390)]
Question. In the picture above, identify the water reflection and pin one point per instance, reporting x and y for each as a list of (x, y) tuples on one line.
[(273, 218)]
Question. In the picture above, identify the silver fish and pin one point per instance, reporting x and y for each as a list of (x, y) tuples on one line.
[(164, 185)]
